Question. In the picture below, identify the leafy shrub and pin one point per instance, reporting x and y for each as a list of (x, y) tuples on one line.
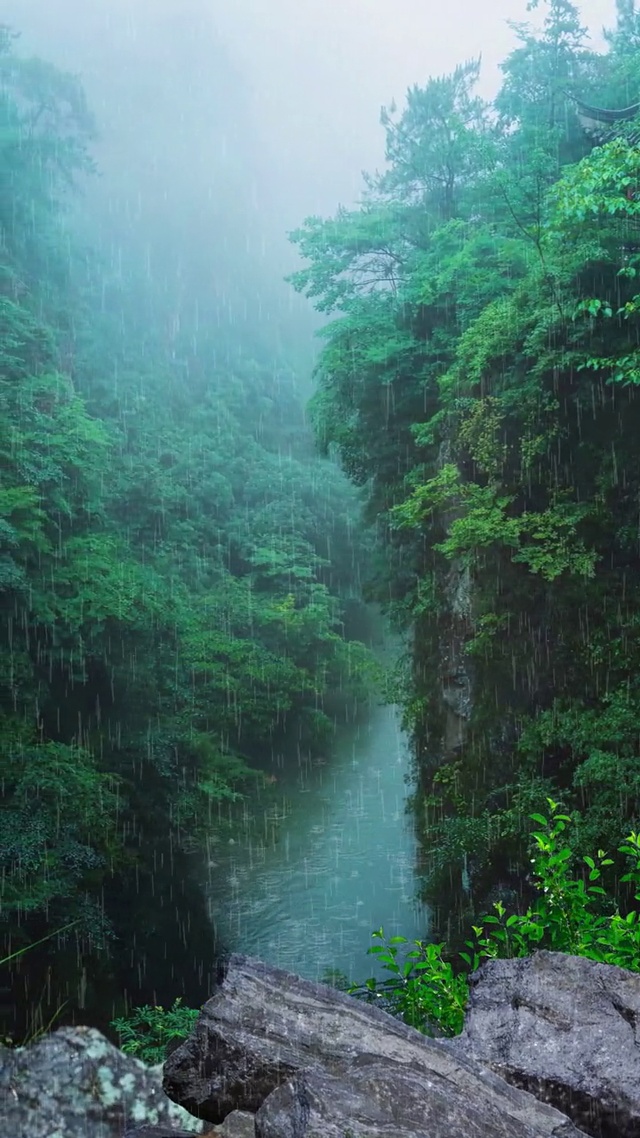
[(569, 915), (148, 1031), (424, 990)]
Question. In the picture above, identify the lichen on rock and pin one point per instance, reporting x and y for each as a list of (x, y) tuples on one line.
[(75, 1083)]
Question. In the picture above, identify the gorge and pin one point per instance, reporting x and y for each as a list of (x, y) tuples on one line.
[(234, 437)]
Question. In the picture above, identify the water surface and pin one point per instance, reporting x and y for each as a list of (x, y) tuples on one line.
[(326, 858)]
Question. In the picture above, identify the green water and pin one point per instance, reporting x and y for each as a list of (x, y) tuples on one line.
[(327, 859)]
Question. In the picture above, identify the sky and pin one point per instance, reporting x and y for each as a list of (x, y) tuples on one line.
[(324, 68), (314, 73)]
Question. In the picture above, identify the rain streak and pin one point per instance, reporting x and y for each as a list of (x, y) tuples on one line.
[(319, 503)]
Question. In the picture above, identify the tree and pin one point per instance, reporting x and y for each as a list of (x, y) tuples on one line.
[(503, 465), (169, 607), (435, 147)]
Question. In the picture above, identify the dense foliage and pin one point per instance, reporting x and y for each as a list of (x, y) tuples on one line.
[(479, 379), (171, 558)]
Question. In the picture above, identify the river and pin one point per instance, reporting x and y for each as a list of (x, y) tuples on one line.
[(299, 877), (328, 858)]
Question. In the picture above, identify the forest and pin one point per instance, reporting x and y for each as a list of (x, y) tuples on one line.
[(174, 566), (478, 380), (178, 565)]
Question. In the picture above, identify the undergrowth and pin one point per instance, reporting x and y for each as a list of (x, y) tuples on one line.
[(148, 1031), (570, 914)]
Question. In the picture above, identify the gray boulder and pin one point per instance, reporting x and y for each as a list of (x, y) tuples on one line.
[(236, 1125), (265, 1027), (75, 1084), (376, 1099), (565, 1028), (157, 1132)]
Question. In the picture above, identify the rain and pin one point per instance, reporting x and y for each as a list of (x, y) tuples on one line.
[(318, 496)]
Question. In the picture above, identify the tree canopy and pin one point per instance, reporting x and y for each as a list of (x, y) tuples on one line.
[(173, 558), (479, 379)]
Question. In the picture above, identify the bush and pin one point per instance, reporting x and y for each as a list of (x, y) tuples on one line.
[(148, 1031), (569, 915)]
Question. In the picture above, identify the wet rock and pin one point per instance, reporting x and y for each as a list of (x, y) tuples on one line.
[(238, 1124), (565, 1028), (264, 1028), (75, 1084), (157, 1132), (455, 630), (456, 674), (376, 1099)]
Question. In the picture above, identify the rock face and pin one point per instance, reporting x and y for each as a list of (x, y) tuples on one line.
[(383, 1099), (565, 1028), (455, 630), (456, 679), (310, 1061), (75, 1084)]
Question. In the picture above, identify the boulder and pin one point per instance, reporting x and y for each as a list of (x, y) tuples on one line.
[(157, 1132), (565, 1028), (75, 1084), (238, 1124), (265, 1028), (384, 1099)]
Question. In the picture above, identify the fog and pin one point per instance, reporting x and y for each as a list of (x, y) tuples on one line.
[(222, 126), (320, 72), (292, 88)]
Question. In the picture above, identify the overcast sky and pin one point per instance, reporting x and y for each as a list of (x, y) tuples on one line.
[(324, 68), (315, 72)]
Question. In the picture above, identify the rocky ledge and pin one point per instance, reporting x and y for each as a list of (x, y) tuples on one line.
[(550, 1049)]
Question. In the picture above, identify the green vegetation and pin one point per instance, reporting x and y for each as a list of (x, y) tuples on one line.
[(174, 561), (479, 378), (572, 914), (149, 1031), (173, 558)]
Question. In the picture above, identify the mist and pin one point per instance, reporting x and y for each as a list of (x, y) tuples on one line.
[(227, 646), (222, 126), (278, 101)]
